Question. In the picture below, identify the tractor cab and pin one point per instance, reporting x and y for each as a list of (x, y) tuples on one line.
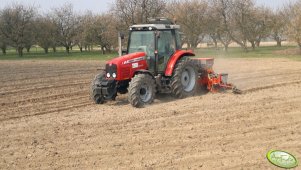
[(154, 63), (159, 39)]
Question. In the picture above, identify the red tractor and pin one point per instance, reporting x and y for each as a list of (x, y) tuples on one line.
[(155, 63)]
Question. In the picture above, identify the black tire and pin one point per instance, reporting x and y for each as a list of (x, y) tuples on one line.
[(184, 81), (142, 89), (97, 98)]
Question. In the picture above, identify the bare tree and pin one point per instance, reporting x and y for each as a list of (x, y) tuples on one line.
[(17, 22), (278, 26), (220, 15), (84, 38), (212, 30), (294, 22), (3, 39), (151, 9), (3, 43), (103, 32), (126, 10), (30, 36), (46, 33), (131, 12), (67, 24), (257, 25), (263, 23), (240, 22), (192, 16)]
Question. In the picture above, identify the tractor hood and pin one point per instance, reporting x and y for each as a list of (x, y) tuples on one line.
[(126, 66), (127, 59)]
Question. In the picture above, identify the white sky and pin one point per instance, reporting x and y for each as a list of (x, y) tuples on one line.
[(99, 6)]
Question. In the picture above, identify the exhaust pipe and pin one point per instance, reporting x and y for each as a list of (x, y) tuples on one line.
[(120, 38)]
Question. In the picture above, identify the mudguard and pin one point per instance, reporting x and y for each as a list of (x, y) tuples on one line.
[(144, 72), (174, 58)]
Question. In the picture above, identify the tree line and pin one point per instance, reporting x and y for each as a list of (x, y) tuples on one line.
[(221, 21)]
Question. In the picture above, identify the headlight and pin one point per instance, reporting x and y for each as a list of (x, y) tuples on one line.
[(108, 75), (114, 75)]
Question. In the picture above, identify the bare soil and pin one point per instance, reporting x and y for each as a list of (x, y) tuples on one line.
[(47, 120)]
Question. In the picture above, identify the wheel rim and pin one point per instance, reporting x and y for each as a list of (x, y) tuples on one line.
[(145, 93), (188, 79)]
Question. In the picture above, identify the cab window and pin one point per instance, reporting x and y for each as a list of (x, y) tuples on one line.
[(166, 48)]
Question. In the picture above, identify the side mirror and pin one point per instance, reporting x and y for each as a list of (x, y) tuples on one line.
[(120, 38)]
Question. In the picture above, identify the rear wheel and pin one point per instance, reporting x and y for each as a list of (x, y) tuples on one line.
[(184, 80), (97, 98), (142, 90)]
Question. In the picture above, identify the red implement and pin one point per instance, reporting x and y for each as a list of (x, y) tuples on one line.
[(212, 81)]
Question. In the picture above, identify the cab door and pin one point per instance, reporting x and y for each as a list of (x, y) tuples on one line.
[(166, 48)]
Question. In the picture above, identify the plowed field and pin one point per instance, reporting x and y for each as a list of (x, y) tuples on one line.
[(47, 120)]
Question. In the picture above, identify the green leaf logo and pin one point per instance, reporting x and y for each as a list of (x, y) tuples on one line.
[(282, 159)]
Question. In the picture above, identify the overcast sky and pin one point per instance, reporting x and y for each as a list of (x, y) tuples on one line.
[(99, 6)]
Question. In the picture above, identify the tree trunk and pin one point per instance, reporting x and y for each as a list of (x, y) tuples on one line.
[(20, 51), (54, 49), (103, 50), (46, 50), (258, 43), (3, 50), (214, 38), (242, 44), (81, 49), (279, 43), (245, 48), (71, 48), (67, 49), (215, 44), (86, 48), (195, 44), (109, 49), (27, 49), (226, 46), (253, 45)]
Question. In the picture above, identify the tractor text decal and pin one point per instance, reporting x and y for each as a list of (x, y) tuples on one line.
[(134, 60)]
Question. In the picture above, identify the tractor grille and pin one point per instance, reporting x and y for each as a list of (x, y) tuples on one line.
[(111, 68), (126, 72)]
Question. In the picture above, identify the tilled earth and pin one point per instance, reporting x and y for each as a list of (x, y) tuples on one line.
[(47, 120)]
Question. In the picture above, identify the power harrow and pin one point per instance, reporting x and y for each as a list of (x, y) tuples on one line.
[(212, 81)]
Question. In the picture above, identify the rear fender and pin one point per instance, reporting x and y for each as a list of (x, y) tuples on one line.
[(175, 58)]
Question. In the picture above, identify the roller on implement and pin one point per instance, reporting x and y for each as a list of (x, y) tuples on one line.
[(154, 62)]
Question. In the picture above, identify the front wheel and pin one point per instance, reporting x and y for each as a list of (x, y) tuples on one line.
[(142, 90), (97, 98)]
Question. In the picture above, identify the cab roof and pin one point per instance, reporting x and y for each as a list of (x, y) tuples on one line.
[(154, 27), (156, 24)]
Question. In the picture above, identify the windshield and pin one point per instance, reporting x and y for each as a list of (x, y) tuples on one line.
[(142, 41)]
